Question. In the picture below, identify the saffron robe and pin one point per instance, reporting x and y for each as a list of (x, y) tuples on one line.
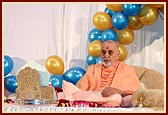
[(97, 77), (124, 78)]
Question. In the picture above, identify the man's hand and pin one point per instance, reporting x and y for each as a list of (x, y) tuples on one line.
[(108, 91)]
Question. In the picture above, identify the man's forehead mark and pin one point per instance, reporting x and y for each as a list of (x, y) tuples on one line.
[(107, 47)]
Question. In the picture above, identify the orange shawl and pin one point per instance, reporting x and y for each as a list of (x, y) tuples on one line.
[(124, 78)]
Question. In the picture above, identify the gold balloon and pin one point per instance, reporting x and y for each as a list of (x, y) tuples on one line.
[(94, 48), (123, 52), (125, 36), (102, 21), (110, 26), (156, 5), (134, 23), (114, 7), (148, 15), (115, 29), (55, 65)]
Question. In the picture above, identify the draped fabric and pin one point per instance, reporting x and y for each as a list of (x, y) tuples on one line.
[(34, 31), (125, 78), (108, 75)]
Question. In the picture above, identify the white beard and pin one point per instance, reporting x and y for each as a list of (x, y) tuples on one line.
[(107, 64)]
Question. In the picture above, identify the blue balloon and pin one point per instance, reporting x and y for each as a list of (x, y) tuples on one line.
[(94, 34), (10, 83), (131, 9), (56, 80), (109, 12), (119, 20), (98, 60), (109, 35), (90, 59), (74, 74), (8, 65)]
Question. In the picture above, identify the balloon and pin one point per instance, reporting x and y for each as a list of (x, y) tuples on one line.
[(18, 63), (109, 12), (148, 15), (123, 52), (102, 21), (56, 80), (131, 9), (156, 5), (125, 36), (10, 83), (98, 60), (109, 35), (94, 48), (119, 20), (134, 23), (114, 7), (74, 74), (8, 65), (94, 34), (115, 29), (90, 60), (55, 64)]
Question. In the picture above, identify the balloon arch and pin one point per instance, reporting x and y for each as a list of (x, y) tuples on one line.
[(118, 22)]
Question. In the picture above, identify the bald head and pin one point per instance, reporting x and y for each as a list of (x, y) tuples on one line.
[(109, 53), (111, 43)]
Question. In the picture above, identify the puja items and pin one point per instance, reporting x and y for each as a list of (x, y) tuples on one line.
[(80, 103), (8, 100)]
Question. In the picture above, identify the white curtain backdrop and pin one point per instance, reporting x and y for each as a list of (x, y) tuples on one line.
[(34, 31)]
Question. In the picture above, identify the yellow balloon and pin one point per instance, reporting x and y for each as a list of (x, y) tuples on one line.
[(114, 7), (55, 65), (156, 5), (94, 48), (125, 36), (115, 30), (148, 15), (110, 26), (102, 21), (134, 23), (123, 52)]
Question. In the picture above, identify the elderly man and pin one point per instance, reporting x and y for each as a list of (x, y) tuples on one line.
[(111, 81)]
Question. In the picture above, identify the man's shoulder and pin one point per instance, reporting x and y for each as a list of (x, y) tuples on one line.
[(92, 67), (126, 69), (98, 65), (123, 65)]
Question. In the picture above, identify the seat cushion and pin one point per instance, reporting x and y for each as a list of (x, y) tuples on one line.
[(151, 78)]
